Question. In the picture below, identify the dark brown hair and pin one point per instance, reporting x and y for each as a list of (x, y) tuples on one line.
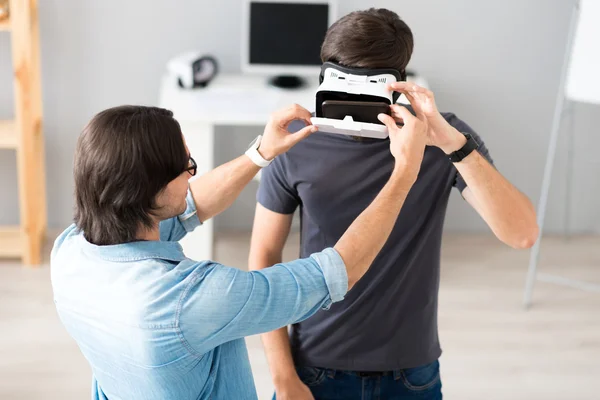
[(125, 156), (373, 38)]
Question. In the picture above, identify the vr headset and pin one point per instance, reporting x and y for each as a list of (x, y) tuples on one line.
[(348, 100)]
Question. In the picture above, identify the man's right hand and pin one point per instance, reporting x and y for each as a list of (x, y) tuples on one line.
[(293, 390), (407, 143)]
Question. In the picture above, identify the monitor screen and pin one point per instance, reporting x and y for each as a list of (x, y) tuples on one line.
[(287, 33)]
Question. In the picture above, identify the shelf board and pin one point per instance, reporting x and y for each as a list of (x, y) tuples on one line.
[(8, 134), (5, 25), (11, 244)]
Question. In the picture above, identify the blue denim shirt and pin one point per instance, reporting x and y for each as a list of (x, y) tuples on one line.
[(154, 324)]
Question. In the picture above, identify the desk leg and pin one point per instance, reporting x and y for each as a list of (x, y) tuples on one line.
[(198, 245)]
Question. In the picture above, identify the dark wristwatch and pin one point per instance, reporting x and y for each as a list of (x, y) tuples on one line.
[(467, 149)]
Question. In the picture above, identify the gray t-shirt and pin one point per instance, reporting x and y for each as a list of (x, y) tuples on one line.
[(389, 319)]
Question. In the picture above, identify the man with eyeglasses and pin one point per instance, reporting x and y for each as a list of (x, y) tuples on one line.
[(154, 324)]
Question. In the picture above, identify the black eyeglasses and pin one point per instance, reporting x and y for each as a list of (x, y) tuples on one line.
[(193, 168)]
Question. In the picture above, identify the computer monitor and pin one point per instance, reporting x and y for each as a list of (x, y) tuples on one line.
[(283, 38)]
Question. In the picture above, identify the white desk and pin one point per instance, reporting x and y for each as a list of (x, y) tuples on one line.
[(239, 100)]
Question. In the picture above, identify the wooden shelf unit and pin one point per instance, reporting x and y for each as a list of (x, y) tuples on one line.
[(8, 135), (23, 133), (10, 241)]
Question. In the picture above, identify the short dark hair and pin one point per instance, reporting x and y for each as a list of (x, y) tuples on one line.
[(125, 156), (373, 38)]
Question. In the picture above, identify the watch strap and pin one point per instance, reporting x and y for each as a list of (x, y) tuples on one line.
[(464, 151), (255, 156)]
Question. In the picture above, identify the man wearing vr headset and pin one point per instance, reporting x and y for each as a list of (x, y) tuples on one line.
[(382, 340)]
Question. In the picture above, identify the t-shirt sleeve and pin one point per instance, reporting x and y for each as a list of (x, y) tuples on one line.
[(275, 191), (463, 127)]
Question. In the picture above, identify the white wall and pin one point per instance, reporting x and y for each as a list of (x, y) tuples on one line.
[(496, 64)]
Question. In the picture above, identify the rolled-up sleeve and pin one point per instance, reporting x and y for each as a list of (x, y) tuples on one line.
[(335, 274), (222, 304), (174, 229)]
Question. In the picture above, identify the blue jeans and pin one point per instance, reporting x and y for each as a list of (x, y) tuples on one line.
[(413, 383)]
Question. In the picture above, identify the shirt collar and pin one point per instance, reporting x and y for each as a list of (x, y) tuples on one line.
[(135, 251)]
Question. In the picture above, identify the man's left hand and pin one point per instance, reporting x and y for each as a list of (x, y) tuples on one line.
[(440, 133), (276, 138)]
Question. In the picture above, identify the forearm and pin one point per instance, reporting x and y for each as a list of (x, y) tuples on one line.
[(365, 238), (216, 190), (507, 211)]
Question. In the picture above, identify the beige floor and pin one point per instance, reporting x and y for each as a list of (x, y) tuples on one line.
[(493, 349)]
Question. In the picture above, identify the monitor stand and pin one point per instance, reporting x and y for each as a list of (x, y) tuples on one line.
[(287, 81)]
